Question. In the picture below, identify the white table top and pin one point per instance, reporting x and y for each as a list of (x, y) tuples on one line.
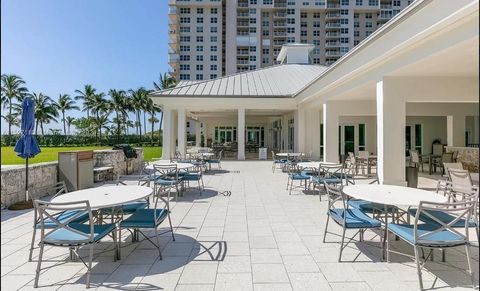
[(180, 166), (392, 195), (108, 196), (315, 165), (289, 154)]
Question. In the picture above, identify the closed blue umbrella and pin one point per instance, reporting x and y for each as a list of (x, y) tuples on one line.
[(27, 146)]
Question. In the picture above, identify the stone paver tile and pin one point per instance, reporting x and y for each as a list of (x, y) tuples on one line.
[(262, 242), (128, 274), (264, 256), (195, 287), (308, 281), (14, 282), (235, 264), (238, 249), (300, 264), (178, 249), (234, 281), (235, 236), (338, 272), (173, 265), (272, 287), (269, 273), (141, 257), (292, 248), (199, 274), (159, 281), (350, 286), (286, 236)]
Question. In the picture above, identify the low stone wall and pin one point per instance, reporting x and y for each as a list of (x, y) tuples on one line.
[(467, 156), (41, 176)]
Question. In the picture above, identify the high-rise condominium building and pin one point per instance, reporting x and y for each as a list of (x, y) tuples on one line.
[(212, 38)]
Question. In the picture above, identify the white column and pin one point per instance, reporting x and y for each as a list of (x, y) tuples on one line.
[(241, 134), (198, 133), (182, 133), (391, 120), (313, 136), (167, 133), (456, 130), (299, 130), (330, 132), (284, 137)]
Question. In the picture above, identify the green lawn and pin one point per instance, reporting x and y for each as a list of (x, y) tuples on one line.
[(49, 154)]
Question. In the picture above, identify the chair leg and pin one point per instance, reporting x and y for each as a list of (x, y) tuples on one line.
[(326, 226), (388, 248), (158, 243), (171, 227), (419, 268), (341, 245), (469, 261), (32, 243), (90, 258), (119, 243), (39, 263)]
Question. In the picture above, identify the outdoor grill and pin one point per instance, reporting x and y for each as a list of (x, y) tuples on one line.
[(129, 152)]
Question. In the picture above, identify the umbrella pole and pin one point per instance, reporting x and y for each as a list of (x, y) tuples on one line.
[(26, 180)]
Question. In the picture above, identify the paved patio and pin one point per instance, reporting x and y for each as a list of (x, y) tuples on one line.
[(259, 238)]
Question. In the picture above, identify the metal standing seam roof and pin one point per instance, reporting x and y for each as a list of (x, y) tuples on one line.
[(276, 81)]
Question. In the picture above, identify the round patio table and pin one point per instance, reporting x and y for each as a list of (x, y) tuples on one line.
[(391, 195), (180, 166), (315, 165), (108, 196), (289, 154)]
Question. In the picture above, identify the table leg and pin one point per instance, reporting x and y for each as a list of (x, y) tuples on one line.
[(430, 165), (385, 234)]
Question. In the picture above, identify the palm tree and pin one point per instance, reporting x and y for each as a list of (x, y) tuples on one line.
[(100, 123), (45, 110), (12, 88), (137, 99), (119, 105), (98, 105), (165, 81), (88, 96), (70, 120), (153, 119), (65, 103)]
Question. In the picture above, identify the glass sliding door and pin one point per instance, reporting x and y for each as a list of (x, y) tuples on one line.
[(225, 134), (349, 139), (408, 140)]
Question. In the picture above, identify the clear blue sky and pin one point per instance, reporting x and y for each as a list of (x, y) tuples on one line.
[(58, 46)]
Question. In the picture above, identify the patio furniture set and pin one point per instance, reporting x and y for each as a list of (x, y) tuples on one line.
[(441, 219), (85, 217)]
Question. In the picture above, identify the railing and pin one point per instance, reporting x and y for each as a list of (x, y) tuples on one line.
[(332, 25), (333, 5)]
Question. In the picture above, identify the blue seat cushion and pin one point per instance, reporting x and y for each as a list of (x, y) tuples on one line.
[(321, 180), (367, 206), (133, 206), (214, 161), (440, 239), (166, 182), (65, 236), (64, 217), (354, 218), (442, 216), (191, 177), (280, 161), (299, 176), (308, 172), (144, 218)]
